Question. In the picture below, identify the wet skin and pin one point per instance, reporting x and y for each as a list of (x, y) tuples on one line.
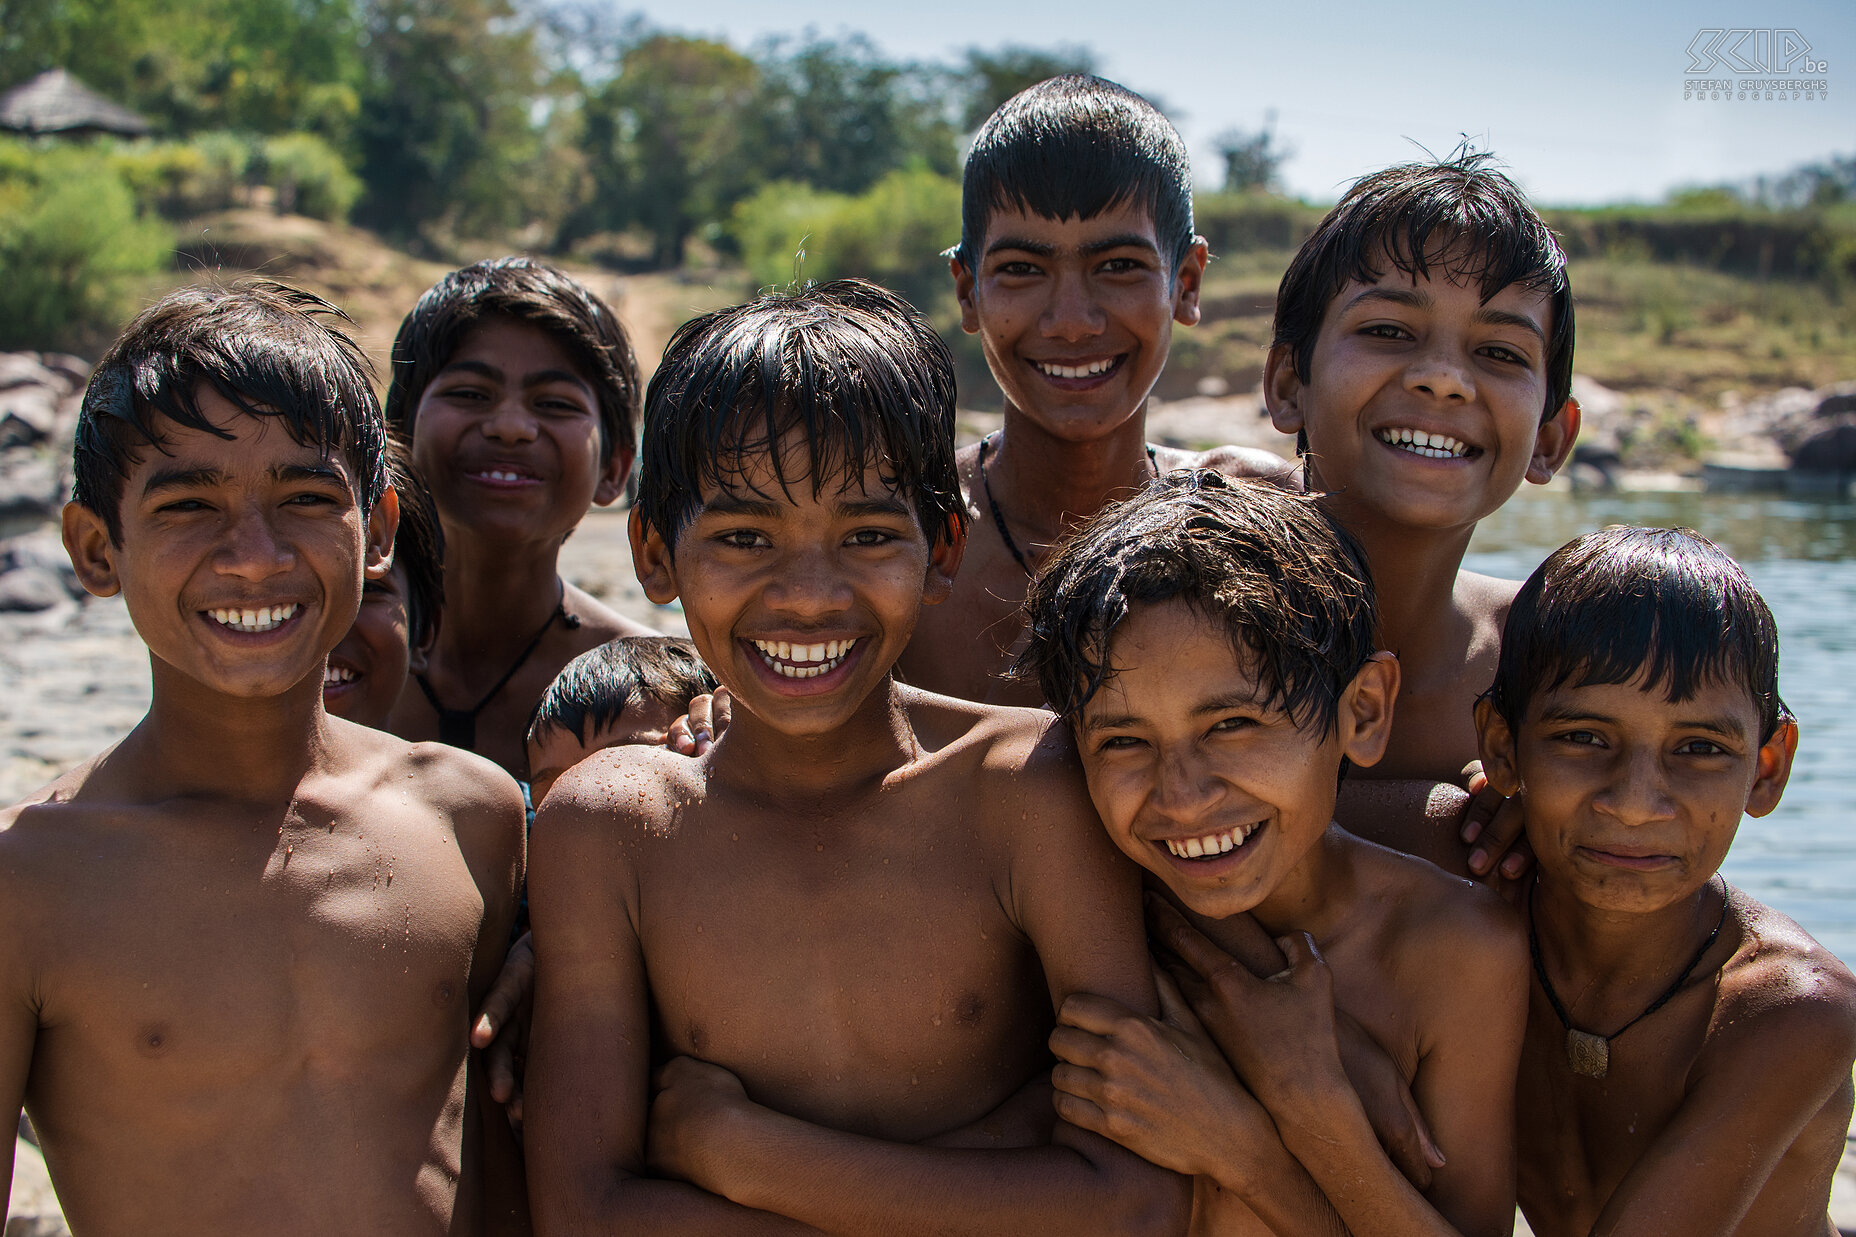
[(919, 877), (507, 438), (1228, 803), (1396, 358), (1631, 803), (248, 936), (1097, 294)]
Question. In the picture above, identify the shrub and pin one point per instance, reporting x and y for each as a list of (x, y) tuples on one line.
[(184, 179), (73, 248), (309, 176)]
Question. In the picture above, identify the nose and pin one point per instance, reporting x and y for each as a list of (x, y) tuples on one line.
[(1638, 792), (1441, 372), (1184, 787), (809, 584), (1072, 313), (251, 549), (510, 420)]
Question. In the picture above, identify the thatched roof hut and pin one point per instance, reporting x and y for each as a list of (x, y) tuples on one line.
[(56, 102)]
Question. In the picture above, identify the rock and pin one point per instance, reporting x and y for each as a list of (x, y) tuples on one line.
[(29, 415), (41, 550), (1597, 403), (1837, 400), (31, 485), (29, 590), (1827, 444)]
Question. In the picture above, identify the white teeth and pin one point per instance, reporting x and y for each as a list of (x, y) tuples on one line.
[(334, 676), (1212, 843), (265, 619), (1078, 371), (1418, 442), (803, 661), (502, 474)]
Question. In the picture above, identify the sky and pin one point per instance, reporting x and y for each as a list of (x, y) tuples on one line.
[(1582, 99)]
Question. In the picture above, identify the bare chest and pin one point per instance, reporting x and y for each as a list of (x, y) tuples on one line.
[(192, 963), (962, 646), (861, 973)]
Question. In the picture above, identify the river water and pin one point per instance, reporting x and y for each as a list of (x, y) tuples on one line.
[(1801, 555)]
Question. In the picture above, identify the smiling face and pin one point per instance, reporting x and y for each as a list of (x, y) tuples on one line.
[(1631, 801), (1196, 779), (241, 560), (1076, 315), (507, 437), (799, 604), (369, 667), (1423, 404)]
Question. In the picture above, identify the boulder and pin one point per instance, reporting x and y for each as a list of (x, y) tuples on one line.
[(1827, 444), (31, 485)]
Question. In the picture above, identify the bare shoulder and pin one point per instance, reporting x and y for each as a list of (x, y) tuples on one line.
[(598, 621), (1485, 599), (1440, 925), (1016, 759), (1243, 462), (463, 785), (1782, 996), (625, 794)]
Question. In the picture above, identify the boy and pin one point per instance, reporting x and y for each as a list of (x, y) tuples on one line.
[(398, 620), (244, 942), (517, 389), (1423, 356), (627, 690), (1076, 258), (1687, 1062), (861, 905), (1213, 644)]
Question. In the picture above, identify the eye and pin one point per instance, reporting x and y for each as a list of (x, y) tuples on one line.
[(1701, 747), (310, 498), (1230, 725), (1119, 743), (1580, 738), (743, 539), (1122, 266), (1505, 354), (1016, 269), (564, 406), (1385, 330), (182, 506), (466, 393), (869, 537)]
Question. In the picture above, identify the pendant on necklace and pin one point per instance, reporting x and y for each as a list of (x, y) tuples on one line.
[(1588, 1054)]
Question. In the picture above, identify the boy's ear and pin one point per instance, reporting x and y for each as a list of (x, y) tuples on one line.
[(1187, 282), (1775, 769), (93, 555), (963, 292), (651, 560), (944, 561), (1282, 390), (1496, 742), (1553, 442), (1365, 716), (383, 525), (613, 476)]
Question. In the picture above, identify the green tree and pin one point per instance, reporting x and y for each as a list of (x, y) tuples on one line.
[(1252, 161), (663, 141), (989, 78)]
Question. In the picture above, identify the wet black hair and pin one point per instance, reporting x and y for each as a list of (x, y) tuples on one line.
[(1664, 603), (1459, 217), (418, 548), (849, 366), (594, 689), (1290, 587), (266, 348), (529, 292), (1073, 147)]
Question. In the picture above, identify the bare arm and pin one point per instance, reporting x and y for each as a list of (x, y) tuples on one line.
[(1078, 902), (1279, 1033), (19, 1026), (1762, 1078), (589, 1058)]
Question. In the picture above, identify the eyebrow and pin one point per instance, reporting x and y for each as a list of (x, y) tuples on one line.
[(1413, 298), (181, 477), (765, 508), (1043, 249), (1214, 704), (1563, 715), (539, 377)]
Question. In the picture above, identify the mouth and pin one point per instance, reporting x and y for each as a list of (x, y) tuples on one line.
[(803, 661), (502, 476), (253, 622), (335, 678), (1430, 446), (1083, 373), (1631, 859), (1211, 845)]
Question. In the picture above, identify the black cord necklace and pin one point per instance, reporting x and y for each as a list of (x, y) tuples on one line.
[(1590, 1055), (998, 517), (458, 727)]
